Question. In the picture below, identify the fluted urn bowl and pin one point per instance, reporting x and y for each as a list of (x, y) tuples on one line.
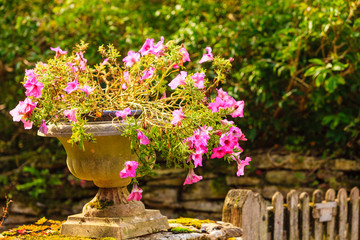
[(101, 162)]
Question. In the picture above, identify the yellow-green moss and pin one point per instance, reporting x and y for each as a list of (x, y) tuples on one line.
[(191, 222), (100, 204), (181, 230)]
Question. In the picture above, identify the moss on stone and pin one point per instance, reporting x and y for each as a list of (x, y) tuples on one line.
[(100, 204), (181, 230), (191, 222)]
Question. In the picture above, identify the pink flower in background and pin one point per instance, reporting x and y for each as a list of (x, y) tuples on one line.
[(159, 47), (163, 96), (192, 177), (106, 60), (73, 67), (178, 115), (33, 87), (239, 109), (123, 113), (178, 80), (148, 73), (241, 165), (129, 170), (136, 193), (147, 47), (81, 60), (185, 57), (235, 131), (43, 128), (207, 57), (216, 105), (226, 122), (142, 137), (86, 89), (197, 158), (72, 86), (70, 114), (199, 81), (131, 58), (58, 51)]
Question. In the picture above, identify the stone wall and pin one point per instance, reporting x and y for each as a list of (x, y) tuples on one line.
[(268, 172)]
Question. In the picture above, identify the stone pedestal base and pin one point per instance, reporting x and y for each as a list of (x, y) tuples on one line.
[(150, 221)]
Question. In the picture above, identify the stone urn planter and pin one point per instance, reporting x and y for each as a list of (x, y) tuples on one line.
[(108, 214)]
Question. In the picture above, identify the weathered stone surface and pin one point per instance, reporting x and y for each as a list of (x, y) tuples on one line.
[(164, 196), (168, 182), (268, 191), (208, 231), (21, 208), (282, 177), (120, 228), (202, 205), (206, 189), (345, 165), (242, 181), (19, 219), (289, 161), (166, 172)]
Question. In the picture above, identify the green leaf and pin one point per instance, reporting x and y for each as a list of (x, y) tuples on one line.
[(320, 79), (317, 61)]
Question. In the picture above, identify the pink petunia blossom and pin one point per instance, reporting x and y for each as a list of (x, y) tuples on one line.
[(147, 47), (43, 128), (207, 57), (235, 131), (106, 60), (73, 67), (27, 124), (178, 80), (185, 57), (197, 158), (239, 109), (226, 122), (192, 177), (86, 89), (216, 105), (219, 152), (241, 165), (72, 86), (178, 115), (159, 47), (33, 87), (131, 58), (136, 193), (163, 96), (148, 73), (199, 81), (129, 170), (23, 110), (123, 113), (142, 137), (58, 51), (71, 114), (228, 140)]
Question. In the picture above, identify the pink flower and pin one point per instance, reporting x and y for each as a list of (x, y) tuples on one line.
[(199, 80), (192, 177), (43, 128), (70, 114), (142, 137), (147, 47), (219, 152), (33, 87), (129, 170), (163, 96), (131, 58), (159, 47), (124, 113), (228, 140), (207, 57), (72, 86), (73, 67), (216, 105), (241, 165), (27, 124), (237, 133), (185, 57), (226, 122), (22, 110), (178, 80), (106, 60), (239, 109), (197, 158), (81, 60), (148, 73), (58, 51), (178, 115), (136, 193), (88, 90)]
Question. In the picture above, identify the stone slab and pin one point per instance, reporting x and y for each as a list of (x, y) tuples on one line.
[(119, 228)]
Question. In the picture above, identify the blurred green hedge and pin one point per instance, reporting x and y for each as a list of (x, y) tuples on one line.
[(296, 62)]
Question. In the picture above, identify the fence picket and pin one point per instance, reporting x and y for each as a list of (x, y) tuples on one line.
[(305, 218), (318, 226), (278, 205), (263, 221), (292, 205), (354, 203), (343, 211), (330, 226)]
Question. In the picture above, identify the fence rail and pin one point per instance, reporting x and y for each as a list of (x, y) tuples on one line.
[(299, 216)]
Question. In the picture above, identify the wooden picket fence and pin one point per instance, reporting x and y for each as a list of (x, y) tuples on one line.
[(298, 217)]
